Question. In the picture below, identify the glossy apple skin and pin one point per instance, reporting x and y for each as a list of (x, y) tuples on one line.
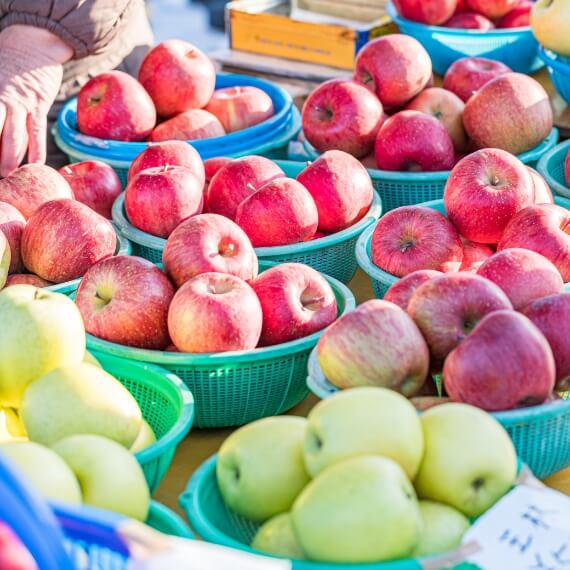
[(280, 213), (214, 312), (394, 67), (125, 299), (470, 21), (413, 141), (32, 185), (178, 77), (431, 12), (518, 17), (401, 292), (64, 238), (410, 238), (240, 178), (93, 183), (474, 254), (492, 9), (504, 363), (12, 225), (208, 243), (26, 279), (542, 228), (212, 165), (542, 192), (115, 106), (489, 180), (467, 75), (158, 199), (296, 301), (195, 124), (343, 115)]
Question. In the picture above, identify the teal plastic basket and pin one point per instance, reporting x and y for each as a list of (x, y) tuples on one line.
[(332, 255), (164, 520), (551, 166), (559, 70)]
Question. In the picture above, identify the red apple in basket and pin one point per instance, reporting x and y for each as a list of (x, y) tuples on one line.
[(215, 312), (27, 279), (212, 165), (158, 199), (484, 191), (125, 299), (13, 554), (401, 292), (208, 243), (377, 344), (461, 7), (343, 115), (114, 105), (12, 225), (470, 21), (280, 213), (178, 77), (492, 9), (432, 12), (296, 301), (504, 363), (410, 238), (64, 238), (191, 125), (518, 17), (474, 254), (542, 192)]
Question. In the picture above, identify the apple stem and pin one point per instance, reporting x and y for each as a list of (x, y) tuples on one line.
[(250, 186), (314, 302), (166, 167), (67, 170)]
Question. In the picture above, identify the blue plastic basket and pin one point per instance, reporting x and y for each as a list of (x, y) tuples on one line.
[(559, 70), (551, 166), (515, 47)]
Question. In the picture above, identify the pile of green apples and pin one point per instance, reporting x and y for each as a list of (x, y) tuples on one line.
[(67, 424), (365, 478)]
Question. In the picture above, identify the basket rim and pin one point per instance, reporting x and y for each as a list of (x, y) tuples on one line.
[(552, 59), (170, 519), (543, 168)]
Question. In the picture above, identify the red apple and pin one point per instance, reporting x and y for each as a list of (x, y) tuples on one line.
[(485, 191), (12, 225), (27, 279), (410, 238), (542, 192), (474, 254), (215, 312), (461, 7), (341, 188), (114, 105), (94, 183), (343, 115), (125, 299), (13, 554), (492, 9), (212, 165), (191, 125), (280, 213), (369, 161), (401, 292), (158, 199), (395, 67), (504, 363), (518, 17), (233, 183), (296, 301), (470, 21), (208, 243), (432, 12), (424, 403), (178, 77), (64, 238)]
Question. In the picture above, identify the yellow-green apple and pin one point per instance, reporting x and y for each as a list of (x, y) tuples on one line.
[(64, 238), (361, 422), (505, 363), (296, 301), (542, 228), (489, 180), (469, 461), (410, 238), (377, 344), (215, 312), (518, 17), (145, 438), (5, 258), (13, 554), (125, 299), (114, 105), (12, 225), (432, 12), (158, 199), (523, 275), (414, 141), (281, 212), (542, 192), (46, 331), (90, 359), (395, 67), (205, 243), (26, 279), (343, 115), (474, 254), (109, 476), (341, 513), (45, 470), (492, 9), (237, 180), (178, 77), (511, 112), (188, 126), (470, 21), (277, 537), (257, 478), (240, 107), (32, 185), (11, 426), (79, 399), (468, 74), (549, 20), (402, 290)]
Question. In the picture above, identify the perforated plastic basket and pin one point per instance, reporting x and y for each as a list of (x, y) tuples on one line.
[(559, 70), (551, 166)]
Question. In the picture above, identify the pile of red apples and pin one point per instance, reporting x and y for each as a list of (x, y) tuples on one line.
[(391, 117)]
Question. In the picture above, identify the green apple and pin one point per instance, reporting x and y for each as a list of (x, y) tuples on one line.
[(11, 427), (364, 421), (469, 459), (276, 537), (363, 509), (45, 331), (550, 22), (260, 467), (46, 471), (109, 475), (443, 529), (80, 399), (90, 359), (5, 258), (144, 439)]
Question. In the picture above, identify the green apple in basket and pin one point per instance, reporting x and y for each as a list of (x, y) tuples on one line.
[(11, 426), (277, 537), (145, 438)]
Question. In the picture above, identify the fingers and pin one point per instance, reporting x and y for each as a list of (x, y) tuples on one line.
[(37, 133), (14, 140)]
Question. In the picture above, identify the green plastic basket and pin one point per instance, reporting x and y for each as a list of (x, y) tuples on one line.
[(551, 166), (166, 404), (381, 280), (332, 255), (164, 520)]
